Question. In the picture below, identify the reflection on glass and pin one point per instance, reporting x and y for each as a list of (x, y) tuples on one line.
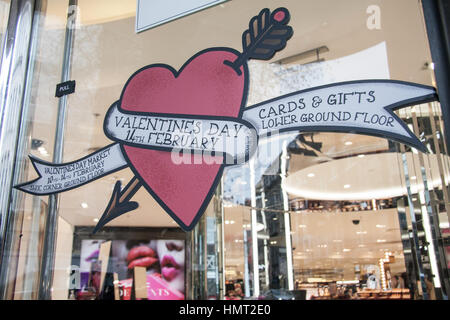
[(311, 216)]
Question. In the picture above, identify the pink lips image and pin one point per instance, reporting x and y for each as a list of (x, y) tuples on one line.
[(169, 267)]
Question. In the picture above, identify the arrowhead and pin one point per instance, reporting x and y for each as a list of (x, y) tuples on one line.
[(115, 208)]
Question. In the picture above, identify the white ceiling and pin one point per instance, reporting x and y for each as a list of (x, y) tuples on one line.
[(373, 176)]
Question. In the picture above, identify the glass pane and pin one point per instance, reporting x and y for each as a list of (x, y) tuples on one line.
[(313, 215)]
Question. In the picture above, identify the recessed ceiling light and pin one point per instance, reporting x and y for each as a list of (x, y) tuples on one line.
[(361, 232), (444, 225), (346, 250), (302, 226), (380, 226), (311, 175), (84, 205), (43, 151), (348, 143), (361, 155), (95, 219), (381, 240), (346, 186), (413, 178)]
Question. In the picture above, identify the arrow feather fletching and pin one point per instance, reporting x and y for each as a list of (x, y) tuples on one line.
[(267, 34)]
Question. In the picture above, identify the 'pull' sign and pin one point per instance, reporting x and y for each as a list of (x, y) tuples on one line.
[(65, 88)]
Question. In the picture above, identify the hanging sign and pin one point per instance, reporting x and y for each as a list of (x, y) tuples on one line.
[(178, 129), (152, 13)]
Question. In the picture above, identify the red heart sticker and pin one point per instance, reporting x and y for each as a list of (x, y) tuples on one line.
[(203, 86)]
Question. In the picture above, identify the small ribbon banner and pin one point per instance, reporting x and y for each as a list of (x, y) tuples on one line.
[(54, 178), (364, 107)]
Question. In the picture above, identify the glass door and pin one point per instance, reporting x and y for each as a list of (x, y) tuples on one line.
[(313, 215)]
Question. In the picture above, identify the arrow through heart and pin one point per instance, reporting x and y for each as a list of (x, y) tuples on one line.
[(198, 112), (214, 82)]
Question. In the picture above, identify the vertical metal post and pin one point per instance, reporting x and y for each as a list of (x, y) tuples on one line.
[(408, 249), (415, 237), (255, 253), (430, 224), (265, 248), (220, 242), (13, 77), (196, 267), (436, 27), (51, 225), (287, 219)]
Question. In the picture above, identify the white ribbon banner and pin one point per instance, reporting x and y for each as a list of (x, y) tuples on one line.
[(217, 136), (54, 178), (364, 107), (357, 107)]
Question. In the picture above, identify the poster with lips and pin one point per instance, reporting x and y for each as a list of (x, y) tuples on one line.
[(163, 260), (177, 130)]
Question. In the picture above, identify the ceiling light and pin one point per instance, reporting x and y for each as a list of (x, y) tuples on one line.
[(361, 155), (380, 226), (84, 205), (413, 178), (43, 151), (444, 225), (310, 175), (346, 250), (361, 245), (346, 186), (260, 227), (96, 220), (337, 240), (381, 240), (302, 226), (361, 232), (348, 143)]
